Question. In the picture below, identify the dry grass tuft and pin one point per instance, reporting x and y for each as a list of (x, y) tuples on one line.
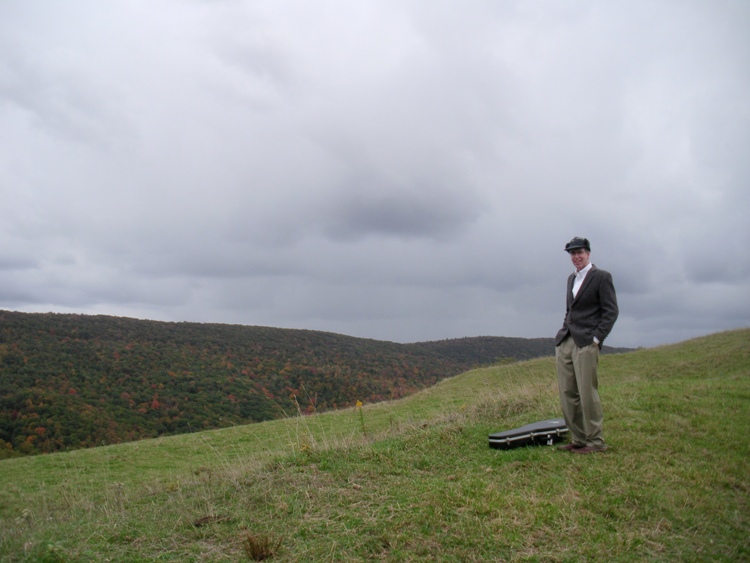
[(260, 547)]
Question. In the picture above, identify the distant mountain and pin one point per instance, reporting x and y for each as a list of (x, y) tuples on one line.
[(73, 381)]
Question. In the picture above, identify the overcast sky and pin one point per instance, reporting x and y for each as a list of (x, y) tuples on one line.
[(404, 170)]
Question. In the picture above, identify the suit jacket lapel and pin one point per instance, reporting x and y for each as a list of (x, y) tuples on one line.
[(571, 281)]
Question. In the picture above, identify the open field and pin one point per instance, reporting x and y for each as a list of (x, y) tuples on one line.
[(414, 479)]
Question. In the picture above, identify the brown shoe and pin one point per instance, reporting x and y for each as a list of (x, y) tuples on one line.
[(570, 447), (589, 449)]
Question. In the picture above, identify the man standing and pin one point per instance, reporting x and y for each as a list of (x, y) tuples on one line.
[(591, 312)]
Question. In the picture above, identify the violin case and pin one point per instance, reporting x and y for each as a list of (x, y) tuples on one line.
[(546, 432)]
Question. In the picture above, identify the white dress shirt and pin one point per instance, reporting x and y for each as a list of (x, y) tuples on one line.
[(580, 276)]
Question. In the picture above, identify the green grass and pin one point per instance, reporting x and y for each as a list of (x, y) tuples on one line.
[(414, 480)]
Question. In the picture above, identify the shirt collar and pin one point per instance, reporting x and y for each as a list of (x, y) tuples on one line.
[(585, 271)]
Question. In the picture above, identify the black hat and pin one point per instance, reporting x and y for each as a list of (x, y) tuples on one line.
[(578, 242)]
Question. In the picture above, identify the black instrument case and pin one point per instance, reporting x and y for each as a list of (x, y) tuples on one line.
[(546, 432)]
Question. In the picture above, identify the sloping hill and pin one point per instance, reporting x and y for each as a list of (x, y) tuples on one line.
[(71, 381), (414, 479)]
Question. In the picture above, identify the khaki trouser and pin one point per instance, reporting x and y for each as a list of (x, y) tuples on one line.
[(579, 395)]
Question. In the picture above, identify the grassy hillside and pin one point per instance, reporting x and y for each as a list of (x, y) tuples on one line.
[(414, 479)]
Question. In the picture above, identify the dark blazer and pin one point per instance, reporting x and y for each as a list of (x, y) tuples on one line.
[(594, 310)]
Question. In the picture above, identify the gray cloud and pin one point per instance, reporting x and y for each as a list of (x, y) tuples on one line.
[(396, 170)]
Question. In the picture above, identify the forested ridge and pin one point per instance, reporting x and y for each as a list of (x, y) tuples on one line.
[(73, 381)]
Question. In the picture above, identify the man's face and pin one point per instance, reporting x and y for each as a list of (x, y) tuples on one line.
[(580, 258)]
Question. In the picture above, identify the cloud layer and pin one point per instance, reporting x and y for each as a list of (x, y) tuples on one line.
[(397, 170)]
